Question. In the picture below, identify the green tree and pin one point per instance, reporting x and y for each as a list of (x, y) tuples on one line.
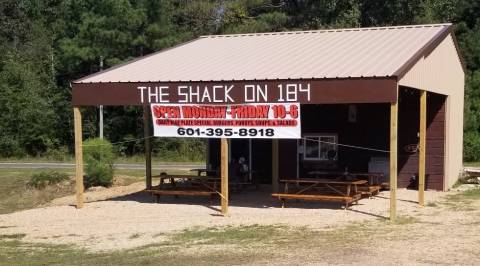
[(28, 92)]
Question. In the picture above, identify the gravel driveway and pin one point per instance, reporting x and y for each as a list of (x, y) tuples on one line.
[(110, 223)]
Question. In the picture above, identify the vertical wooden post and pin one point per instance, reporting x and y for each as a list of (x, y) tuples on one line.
[(275, 165), (393, 159), (422, 148), (224, 174), (77, 120), (148, 151)]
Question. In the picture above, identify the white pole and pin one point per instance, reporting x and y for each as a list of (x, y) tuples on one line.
[(100, 122)]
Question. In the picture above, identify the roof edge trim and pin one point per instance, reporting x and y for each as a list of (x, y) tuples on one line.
[(241, 80), (427, 49), (325, 30)]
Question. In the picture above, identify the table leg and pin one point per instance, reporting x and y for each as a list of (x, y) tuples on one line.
[(348, 189)]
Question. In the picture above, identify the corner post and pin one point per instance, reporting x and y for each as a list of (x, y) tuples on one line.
[(148, 151), (224, 174), (422, 148), (77, 120), (393, 159), (275, 165)]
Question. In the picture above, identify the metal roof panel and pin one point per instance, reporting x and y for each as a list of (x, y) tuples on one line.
[(342, 53)]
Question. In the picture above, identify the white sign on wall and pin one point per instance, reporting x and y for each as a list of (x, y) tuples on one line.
[(266, 120)]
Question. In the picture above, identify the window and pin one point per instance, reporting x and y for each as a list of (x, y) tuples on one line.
[(320, 147)]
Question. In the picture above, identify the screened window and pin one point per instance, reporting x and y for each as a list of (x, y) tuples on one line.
[(320, 147)]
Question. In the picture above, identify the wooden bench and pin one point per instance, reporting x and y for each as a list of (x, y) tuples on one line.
[(345, 199), (321, 190), (157, 193), (185, 185), (369, 190)]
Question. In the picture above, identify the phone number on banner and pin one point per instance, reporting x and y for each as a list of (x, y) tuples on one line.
[(226, 132)]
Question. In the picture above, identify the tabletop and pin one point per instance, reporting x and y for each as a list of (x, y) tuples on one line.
[(324, 181)]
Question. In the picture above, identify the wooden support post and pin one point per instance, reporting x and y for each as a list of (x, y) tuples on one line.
[(224, 174), (77, 119), (422, 148), (275, 165), (393, 159), (148, 151)]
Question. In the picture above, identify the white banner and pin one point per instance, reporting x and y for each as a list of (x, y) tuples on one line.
[(256, 120)]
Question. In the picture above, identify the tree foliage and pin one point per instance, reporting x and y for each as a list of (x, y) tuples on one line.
[(46, 44)]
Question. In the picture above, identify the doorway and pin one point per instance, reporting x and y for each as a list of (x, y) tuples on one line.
[(241, 152)]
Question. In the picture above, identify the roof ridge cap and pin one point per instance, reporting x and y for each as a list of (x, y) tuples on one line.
[(326, 30)]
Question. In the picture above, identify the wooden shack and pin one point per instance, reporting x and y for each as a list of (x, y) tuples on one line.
[(384, 99)]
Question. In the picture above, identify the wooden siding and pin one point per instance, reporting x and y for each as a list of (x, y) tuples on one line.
[(287, 158), (409, 105), (370, 130)]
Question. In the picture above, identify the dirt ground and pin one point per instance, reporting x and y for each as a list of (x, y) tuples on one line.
[(118, 212), (124, 218)]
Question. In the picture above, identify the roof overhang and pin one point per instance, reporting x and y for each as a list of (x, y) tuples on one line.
[(338, 66), (315, 91)]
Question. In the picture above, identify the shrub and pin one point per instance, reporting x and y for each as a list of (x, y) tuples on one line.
[(43, 179), (10, 147), (99, 157), (60, 154), (471, 146)]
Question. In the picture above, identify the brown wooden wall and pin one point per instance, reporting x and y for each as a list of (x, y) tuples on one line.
[(408, 124), (435, 157), (287, 159), (370, 130)]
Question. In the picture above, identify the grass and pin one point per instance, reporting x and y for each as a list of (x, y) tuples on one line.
[(234, 235), (155, 160), (471, 164), (16, 195), (13, 251), (462, 201), (135, 236), (71, 159), (195, 246), (465, 196), (204, 246), (12, 236), (255, 244), (20, 253), (404, 220)]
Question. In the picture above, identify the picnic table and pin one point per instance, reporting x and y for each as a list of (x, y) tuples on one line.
[(373, 177), (234, 184), (185, 185), (369, 189), (322, 190)]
